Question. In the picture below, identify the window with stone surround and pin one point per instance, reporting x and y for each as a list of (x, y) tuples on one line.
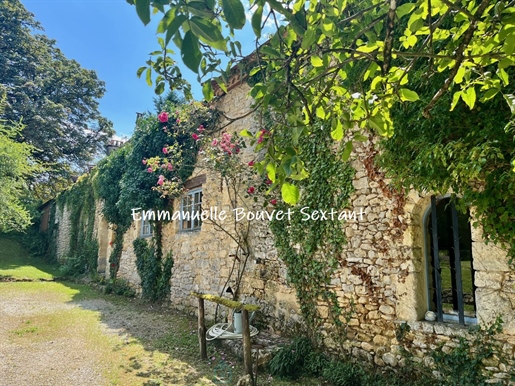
[(146, 227), (450, 273), (191, 207), (191, 204)]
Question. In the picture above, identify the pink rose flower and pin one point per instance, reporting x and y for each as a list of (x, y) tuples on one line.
[(149, 170), (165, 150), (215, 142), (200, 128), (251, 190), (195, 136), (273, 201), (251, 163), (178, 120), (169, 167), (268, 181), (163, 117), (144, 161), (161, 180)]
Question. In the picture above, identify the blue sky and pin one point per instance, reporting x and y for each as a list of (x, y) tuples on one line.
[(107, 36)]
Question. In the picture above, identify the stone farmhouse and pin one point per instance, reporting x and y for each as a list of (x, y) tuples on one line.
[(386, 270)]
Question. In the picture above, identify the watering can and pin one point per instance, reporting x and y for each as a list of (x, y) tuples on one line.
[(237, 323)]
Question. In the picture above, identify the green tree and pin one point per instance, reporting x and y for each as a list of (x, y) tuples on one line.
[(55, 97), (17, 165), (342, 62)]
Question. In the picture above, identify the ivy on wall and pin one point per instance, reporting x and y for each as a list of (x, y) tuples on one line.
[(154, 270), (464, 151), (311, 247), (79, 199)]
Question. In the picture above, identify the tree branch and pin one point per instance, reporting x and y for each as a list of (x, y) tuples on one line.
[(459, 58)]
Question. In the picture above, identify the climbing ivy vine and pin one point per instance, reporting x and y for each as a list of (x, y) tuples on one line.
[(311, 247), (80, 201)]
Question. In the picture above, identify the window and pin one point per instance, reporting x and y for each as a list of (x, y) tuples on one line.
[(451, 290), (146, 227), (191, 205)]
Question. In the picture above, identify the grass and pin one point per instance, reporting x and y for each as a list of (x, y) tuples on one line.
[(145, 345), (16, 263)]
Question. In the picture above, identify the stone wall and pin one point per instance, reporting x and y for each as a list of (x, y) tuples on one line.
[(382, 270), (63, 231)]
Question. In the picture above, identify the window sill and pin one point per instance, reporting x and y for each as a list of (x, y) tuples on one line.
[(450, 328)]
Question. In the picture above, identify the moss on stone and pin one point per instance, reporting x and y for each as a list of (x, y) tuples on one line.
[(226, 302)]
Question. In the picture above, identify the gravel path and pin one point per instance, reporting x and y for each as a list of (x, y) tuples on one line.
[(49, 339)]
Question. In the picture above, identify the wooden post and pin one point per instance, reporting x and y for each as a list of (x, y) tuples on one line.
[(247, 349), (202, 329)]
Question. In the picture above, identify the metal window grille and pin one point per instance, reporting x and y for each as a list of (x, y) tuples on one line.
[(452, 277)]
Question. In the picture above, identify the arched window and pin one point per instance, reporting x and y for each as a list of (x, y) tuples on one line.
[(451, 290)]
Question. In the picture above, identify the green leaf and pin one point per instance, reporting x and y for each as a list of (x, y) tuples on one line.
[(190, 51), (404, 9), (208, 33), (503, 75), (347, 151), (408, 95), (510, 99), (160, 88), (246, 133), (270, 171), (360, 137), (489, 94), (469, 97), (337, 132), (166, 20), (143, 10), (455, 99), (207, 90), (290, 193), (316, 61), (148, 76), (308, 39), (509, 44), (174, 26), (234, 13), (256, 21), (140, 71)]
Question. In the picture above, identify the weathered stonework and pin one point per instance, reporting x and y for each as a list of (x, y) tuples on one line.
[(382, 269)]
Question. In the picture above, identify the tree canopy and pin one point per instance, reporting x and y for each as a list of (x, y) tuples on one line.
[(342, 62), (17, 165), (54, 97)]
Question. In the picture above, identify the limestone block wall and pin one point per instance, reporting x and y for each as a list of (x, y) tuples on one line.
[(382, 270), (63, 229)]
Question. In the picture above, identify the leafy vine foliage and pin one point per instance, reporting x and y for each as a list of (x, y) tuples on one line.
[(82, 256), (311, 248), (466, 151), (345, 62), (154, 271), (126, 179)]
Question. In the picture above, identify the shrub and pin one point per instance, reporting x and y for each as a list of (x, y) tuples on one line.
[(120, 287)]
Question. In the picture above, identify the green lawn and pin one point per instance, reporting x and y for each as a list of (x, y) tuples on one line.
[(16, 263)]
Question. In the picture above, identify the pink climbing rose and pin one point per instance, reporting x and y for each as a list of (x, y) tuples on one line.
[(163, 117), (251, 190), (195, 136), (169, 166), (273, 201), (165, 150), (215, 142), (251, 163), (200, 128), (144, 161), (149, 170), (161, 180)]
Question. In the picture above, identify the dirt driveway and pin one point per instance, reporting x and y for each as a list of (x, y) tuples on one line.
[(66, 334)]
